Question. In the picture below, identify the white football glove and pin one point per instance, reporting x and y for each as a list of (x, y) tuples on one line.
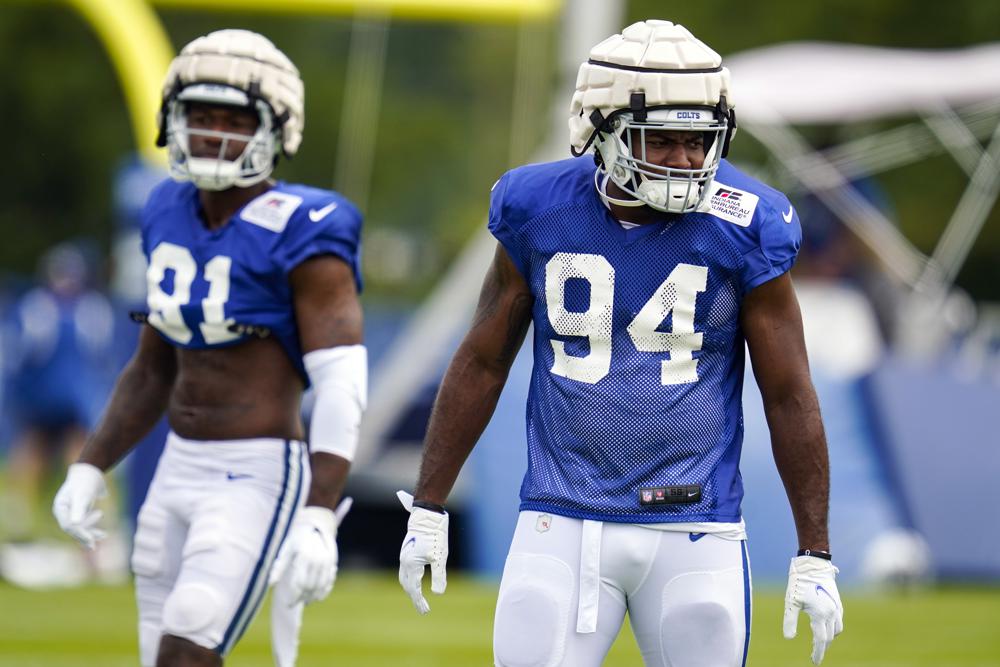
[(73, 506), (309, 554), (426, 543), (812, 588), (288, 599)]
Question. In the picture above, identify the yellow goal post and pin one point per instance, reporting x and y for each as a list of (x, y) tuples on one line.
[(140, 50)]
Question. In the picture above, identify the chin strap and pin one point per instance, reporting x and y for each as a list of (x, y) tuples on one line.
[(602, 190), (601, 184)]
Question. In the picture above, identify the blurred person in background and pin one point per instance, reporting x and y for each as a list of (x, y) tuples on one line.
[(642, 292), (833, 254), (252, 295), (58, 340)]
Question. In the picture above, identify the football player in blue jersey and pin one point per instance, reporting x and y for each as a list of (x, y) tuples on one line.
[(253, 296), (644, 276)]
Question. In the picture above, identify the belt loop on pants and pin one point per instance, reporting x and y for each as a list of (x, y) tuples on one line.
[(590, 576)]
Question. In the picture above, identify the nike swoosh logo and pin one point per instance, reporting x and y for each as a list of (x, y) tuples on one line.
[(786, 216), (820, 589), (409, 542), (317, 214), (234, 476), (694, 537)]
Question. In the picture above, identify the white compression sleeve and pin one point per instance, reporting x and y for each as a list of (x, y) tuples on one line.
[(339, 377)]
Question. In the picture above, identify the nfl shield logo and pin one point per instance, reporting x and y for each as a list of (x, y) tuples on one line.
[(543, 523), (647, 496)]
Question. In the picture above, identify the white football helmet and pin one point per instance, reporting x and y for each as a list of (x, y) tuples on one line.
[(655, 75), (231, 68)]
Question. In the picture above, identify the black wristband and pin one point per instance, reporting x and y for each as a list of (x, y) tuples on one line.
[(433, 507), (815, 553)]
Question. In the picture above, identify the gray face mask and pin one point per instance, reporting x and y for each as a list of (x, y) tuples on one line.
[(215, 172), (675, 184)]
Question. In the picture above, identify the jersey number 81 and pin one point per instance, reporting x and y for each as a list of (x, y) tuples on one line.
[(165, 309)]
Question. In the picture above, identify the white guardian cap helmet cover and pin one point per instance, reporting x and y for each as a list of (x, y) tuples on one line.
[(231, 68), (655, 75)]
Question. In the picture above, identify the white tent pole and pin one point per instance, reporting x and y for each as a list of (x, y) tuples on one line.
[(899, 146), (955, 137), (820, 177), (971, 213)]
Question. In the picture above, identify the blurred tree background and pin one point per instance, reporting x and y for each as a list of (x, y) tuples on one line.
[(444, 125), (443, 130)]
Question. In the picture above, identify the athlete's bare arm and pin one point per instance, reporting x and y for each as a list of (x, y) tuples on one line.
[(475, 377), (328, 314), (772, 324), (137, 402)]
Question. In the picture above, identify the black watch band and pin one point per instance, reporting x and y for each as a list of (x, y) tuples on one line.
[(815, 553), (433, 507)]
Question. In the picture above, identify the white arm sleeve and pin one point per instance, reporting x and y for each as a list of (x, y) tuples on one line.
[(339, 377)]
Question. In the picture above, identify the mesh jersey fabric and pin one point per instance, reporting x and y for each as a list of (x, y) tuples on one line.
[(638, 352), (259, 246)]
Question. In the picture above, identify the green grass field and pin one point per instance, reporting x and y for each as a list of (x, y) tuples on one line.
[(369, 622)]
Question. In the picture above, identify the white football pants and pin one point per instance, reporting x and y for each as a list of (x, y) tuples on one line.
[(568, 583), (208, 532)]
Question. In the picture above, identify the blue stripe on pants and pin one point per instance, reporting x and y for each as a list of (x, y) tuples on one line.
[(746, 600), (257, 586)]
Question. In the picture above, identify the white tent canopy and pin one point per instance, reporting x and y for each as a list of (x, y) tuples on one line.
[(827, 83), (950, 97)]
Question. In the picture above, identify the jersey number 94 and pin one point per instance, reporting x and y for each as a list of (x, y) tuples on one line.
[(677, 295)]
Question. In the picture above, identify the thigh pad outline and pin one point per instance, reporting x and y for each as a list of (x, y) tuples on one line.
[(191, 611), (533, 611), (701, 622)]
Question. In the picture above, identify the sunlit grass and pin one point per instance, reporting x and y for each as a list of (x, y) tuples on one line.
[(369, 622)]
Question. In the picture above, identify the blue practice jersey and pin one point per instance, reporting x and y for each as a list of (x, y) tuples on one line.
[(213, 288), (634, 412)]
